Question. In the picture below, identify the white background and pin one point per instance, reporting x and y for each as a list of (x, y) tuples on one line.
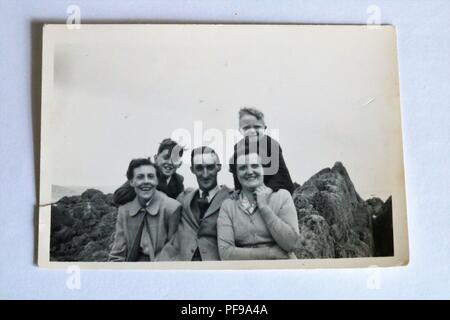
[(424, 51)]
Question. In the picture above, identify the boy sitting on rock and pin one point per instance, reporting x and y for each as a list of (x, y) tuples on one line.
[(167, 160), (252, 126)]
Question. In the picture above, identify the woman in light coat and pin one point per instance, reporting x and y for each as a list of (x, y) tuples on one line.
[(258, 223)]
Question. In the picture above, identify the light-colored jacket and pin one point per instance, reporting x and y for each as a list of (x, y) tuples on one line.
[(164, 216), (270, 232), (192, 234)]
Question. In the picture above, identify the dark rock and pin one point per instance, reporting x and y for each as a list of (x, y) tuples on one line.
[(315, 239), (334, 222), (80, 241), (65, 234), (78, 211), (346, 228), (59, 220), (82, 227), (92, 194), (109, 199), (362, 218), (383, 231), (375, 206)]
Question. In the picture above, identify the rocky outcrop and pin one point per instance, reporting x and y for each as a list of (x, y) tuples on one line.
[(334, 221), (82, 227), (382, 230)]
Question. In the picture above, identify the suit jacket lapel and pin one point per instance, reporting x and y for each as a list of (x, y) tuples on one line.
[(217, 201), (188, 210)]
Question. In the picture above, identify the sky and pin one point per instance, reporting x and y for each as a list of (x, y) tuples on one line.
[(328, 94)]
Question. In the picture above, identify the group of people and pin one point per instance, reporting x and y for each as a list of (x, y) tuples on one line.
[(158, 220)]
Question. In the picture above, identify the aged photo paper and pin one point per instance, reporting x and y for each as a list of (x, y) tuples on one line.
[(221, 146)]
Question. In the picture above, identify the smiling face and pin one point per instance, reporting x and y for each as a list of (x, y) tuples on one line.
[(205, 167), (250, 172), (144, 182), (167, 163), (251, 127)]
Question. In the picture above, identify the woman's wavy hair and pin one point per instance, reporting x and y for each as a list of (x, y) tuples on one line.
[(136, 163)]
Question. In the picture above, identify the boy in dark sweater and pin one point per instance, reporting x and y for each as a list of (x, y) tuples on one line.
[(167, 160), (252, 126)]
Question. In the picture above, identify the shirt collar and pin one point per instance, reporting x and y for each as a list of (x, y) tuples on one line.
[(152, 206), (211, 193), (245, 204)]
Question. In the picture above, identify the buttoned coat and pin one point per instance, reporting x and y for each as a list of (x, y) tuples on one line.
[(164, 210)]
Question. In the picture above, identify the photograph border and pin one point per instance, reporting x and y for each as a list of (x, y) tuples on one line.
[(401, 248)]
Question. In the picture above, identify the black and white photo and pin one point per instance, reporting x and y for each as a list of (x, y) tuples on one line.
[(199, 146)]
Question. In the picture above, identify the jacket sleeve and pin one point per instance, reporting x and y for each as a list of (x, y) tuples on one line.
[(181, 196), (119, 249), (173, 220), (282, 179), (124, 194), (181, 183), (171, 250), (227, 247), (283, 225)]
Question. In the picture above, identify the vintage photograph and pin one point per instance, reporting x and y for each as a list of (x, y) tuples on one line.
[(221, 147)]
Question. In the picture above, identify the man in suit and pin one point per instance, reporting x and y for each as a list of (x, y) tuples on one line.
[(196, 237)]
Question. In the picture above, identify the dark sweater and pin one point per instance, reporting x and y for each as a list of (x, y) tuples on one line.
[(269, 151), (126, 193)]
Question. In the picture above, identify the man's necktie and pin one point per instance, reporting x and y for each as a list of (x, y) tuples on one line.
[(203, 204)]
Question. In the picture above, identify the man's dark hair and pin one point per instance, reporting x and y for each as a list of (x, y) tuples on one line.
[(136, 163), (173, 147), (203, 150)]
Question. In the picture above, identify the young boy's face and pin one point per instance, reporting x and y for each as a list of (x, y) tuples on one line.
[(167, 163), (251, 127)]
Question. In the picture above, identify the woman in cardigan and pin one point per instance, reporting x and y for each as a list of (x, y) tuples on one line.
[(258, 223)]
